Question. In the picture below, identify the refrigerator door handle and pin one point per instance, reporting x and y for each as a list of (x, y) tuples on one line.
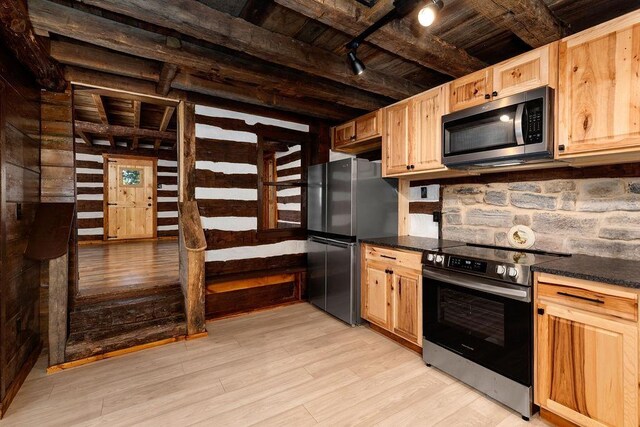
[(338, 243)]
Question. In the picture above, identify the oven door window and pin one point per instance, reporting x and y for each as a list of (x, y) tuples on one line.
[(490, 330), (487, 131)]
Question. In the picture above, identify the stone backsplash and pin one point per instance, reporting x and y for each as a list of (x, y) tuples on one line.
[(584, 216)]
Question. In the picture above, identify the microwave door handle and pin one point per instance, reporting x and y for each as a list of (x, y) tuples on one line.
[(517, 124)]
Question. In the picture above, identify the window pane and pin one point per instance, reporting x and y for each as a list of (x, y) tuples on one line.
[(131, 177)]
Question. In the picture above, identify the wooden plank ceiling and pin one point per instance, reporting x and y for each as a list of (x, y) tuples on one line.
[(123, 120), (290, 54)]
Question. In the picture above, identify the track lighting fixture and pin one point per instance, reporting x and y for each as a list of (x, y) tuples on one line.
[(402, 8), (428, 13), (357, 66)]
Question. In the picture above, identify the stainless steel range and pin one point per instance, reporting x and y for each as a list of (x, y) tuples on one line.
[(478, 319)]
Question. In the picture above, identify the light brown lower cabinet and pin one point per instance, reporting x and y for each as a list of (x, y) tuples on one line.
[(587, 351), (392, 291)]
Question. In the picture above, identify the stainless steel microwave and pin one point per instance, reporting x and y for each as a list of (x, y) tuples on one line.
[(509, 131)]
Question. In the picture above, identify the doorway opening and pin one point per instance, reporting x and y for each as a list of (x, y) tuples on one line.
[(127, 193)]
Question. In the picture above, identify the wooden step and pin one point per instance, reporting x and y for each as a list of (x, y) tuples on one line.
[(83, 345)]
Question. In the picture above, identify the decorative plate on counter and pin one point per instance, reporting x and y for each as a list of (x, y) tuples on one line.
[(521, 237)]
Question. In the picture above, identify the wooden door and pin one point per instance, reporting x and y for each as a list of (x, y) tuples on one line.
[(426, 148), (471, 90), (344, 134), (599, 89), (130, 197), (368, 126), (531, 70), (587, 366), (376, 305), (396, 139), (406, 289)]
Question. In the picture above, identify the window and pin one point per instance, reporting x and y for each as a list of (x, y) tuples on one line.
[(131, 177), (281, 185)]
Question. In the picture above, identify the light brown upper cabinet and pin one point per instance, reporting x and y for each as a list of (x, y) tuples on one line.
[(359, 135), (524, 72), (412, 139), (599, 90), (470, 90)]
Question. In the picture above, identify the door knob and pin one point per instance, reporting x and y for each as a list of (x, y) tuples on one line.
[(487, 96), (494, 93)]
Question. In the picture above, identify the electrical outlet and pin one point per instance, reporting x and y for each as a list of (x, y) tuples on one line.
[(424, 192), (19, 211), (437, 216)]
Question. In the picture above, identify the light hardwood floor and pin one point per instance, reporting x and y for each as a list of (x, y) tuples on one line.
[(122, 266), (292, 366)]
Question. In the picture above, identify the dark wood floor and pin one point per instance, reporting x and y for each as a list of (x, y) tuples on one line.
[(120, 267)]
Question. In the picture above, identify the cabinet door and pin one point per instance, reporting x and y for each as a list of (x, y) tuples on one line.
[(587, 366), (395, 142), (376, 289), (344, 134), (426, 148), (368, 126), (470, 90), (599, 89), (527, 71), (406, 289)]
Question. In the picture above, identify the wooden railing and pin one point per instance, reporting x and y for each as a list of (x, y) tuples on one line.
[(192, 273), (49, 243)]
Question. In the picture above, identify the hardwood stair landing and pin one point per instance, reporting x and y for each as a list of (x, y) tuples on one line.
[(118, 323)]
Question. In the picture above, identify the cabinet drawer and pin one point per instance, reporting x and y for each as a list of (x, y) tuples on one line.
[(589, 297), (412, 260)]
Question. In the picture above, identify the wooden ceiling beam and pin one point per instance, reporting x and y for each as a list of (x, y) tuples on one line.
[(98, 31), (198, 20), (84, 137), (19, 36), (167, 74), (397, 37), (164, 123), (104, 118), (123, 131), (531, 20), (137, 116)]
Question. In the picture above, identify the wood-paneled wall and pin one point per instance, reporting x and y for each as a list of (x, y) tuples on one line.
[(20, 196), (90, 194), (57, 148), (226, 190)]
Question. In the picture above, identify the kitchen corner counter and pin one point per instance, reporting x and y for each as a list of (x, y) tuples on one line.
[(411, 243), (613, 271)]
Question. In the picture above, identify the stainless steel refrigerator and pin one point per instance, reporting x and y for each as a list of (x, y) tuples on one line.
[(347, 200)]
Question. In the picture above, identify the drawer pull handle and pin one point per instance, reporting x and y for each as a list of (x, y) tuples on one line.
[(597, 301), (388, 257)]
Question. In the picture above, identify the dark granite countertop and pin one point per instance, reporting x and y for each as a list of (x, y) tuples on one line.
[(613, 271), (411, 243)]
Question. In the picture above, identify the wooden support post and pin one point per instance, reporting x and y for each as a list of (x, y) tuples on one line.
[(187, 151), (58, 297), (403, 206)]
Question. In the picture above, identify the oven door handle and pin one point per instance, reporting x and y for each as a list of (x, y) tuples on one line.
[(517, 124), (479, 285)]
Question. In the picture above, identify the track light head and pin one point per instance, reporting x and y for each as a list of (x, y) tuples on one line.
[(357, 66), (429, 12)]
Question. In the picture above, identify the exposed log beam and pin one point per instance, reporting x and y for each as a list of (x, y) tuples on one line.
[(167, 74), (84, 137), (530, 20), (249, 94), (104, 118), (123, 131), (18, 35), (397, 37), (256, 11), (166, 118), (223, 67), (104, 60), (197, 20), (137, 115)]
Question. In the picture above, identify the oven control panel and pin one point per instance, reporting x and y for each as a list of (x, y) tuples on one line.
[(506, 272)]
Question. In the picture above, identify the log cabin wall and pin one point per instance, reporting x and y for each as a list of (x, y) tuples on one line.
[(227, 195), (20, 196), (90, 175)]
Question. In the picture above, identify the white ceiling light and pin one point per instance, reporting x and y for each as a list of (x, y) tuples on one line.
[(428, 13)]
